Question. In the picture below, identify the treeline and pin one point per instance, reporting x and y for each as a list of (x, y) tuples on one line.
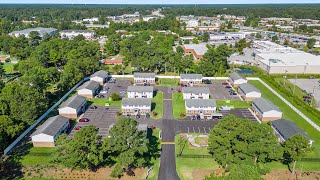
[(153, 52), (258, 11), (50, 67), (47, 13)]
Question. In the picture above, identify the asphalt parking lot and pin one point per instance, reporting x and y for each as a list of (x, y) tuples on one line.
[(118, 87), (220, 92), (241, 113), (311, 86), (102, 118), (188, 126)]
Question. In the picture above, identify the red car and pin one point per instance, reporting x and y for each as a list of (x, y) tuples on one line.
[(77, 128), (84, 120), (225, 83)]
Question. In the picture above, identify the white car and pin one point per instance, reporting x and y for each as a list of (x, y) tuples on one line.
[(225, 108)]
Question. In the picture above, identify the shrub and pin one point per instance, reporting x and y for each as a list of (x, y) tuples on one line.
[(155, 113), (115, 97), (119, 113), (182, 114)]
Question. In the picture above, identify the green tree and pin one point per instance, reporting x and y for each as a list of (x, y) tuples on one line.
[(195, 41), (275, 38), (295, 148), (82, 151), (127, 145), (8, 130), (115, 97), (180, 50), (187, 41), (258, 35), (34, 38), (206, 37), (235, 140), (311, 42)]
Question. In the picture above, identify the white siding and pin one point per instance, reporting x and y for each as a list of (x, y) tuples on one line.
[(140, 94), (272, 113), (42, 138), (67, 110), (195, 96)]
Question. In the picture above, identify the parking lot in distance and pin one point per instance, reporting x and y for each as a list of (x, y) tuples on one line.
[(220, 92), (118, 87)]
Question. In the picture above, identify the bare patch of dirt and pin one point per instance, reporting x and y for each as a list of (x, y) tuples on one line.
[(201, 174), (66, 173), (286, 175)]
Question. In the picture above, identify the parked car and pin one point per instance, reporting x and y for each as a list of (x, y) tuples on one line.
[(207, 81), (84, 120), (311, 77), (225, 108), (306, 97), (77, 128), (228, 86), (307, 100), (225, 83), (93, 107), (99, 96)]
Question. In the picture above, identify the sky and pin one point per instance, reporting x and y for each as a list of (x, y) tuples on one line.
[(156, 1)]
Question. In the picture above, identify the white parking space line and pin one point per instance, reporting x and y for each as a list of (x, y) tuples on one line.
[(193, 129), (199, 129), (188, 130), (204, 129)]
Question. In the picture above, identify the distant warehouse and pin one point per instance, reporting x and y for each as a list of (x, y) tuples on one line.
[(197, 50), (40, 30), (70, 34), (277, 59)]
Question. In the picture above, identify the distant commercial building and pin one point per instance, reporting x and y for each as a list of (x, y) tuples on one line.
[(70, 34), (140, 91), (136, 106), (265, 110), (144, 78), (196, 92), (91, 20), (40, 30), (277, 59), (191, 79), (47, 133), (197, 50)]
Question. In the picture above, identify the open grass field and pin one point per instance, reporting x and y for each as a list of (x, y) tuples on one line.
[(187, 166), (8, 68), (235, 104), (291, 115), (103, 101), (37, 155), (178, 105), (157, 105), (168, 82)]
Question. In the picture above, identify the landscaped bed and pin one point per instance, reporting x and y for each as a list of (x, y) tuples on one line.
[(178, 106)]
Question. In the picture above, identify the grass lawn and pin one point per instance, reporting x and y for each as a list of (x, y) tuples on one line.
[(235, 104), (103, 101), (185, 166), (291, 115), (37, 155), (8, 67), (178, 105), (156, 162), (157, 105), (168, 82)]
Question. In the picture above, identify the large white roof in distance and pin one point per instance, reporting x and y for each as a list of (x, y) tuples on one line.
[(290, 59)]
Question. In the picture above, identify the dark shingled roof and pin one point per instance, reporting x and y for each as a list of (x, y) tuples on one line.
[(136, 101), (144, 75), (288, 129), (196, 90), (235, 76), (191, 76), (265, 105), (247, 88), (140, 89), (73, 102), (91, 85), (51, 126), (102, 74), (201, 103)]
